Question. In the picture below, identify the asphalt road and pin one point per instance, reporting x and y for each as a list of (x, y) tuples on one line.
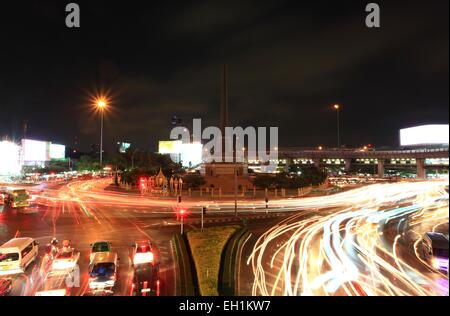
[(70, 214), (83, 212), (361, 242), (358, 242)]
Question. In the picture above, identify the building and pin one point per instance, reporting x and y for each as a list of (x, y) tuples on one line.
[(9, 158), (37, 153)]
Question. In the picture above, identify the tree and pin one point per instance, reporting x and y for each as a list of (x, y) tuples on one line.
[(264, 181), (313, 175), (86, 163), (146, 163), (308, 176), (194, 180)]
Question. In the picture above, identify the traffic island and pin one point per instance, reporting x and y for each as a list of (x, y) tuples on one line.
[(230, 262), (206, 247), (187, 282)]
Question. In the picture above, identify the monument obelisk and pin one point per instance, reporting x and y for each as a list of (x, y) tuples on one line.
[(222, 174), (224, 108)]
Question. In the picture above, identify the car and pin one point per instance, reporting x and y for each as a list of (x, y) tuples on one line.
[(54, 284), (5, 286), (103, 271), (435, 250), (143, 252), (16, 197), (32, 209), (99, 247), (146, 280), (2, 203), (65, 259), (17, 255)]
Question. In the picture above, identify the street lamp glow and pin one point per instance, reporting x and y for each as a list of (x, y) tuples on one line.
[(101, 104), (336, 106)]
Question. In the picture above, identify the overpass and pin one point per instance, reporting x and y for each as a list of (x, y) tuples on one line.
[(421, 159)]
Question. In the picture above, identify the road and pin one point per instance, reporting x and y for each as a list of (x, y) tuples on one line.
[(360, 242), (73, 212), (86, 211)]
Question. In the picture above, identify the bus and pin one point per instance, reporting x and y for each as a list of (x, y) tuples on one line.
[(16, 197)]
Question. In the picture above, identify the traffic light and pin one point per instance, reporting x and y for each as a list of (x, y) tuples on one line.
[(179, 198), (204, 210), (142, 183), (182, 212)]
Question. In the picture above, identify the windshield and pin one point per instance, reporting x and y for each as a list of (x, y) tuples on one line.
[(100, 247), (439, 252), (20, 193), (65, 255), (9, 257), (104, 269)]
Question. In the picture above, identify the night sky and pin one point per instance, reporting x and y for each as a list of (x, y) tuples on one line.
[(289, 62)]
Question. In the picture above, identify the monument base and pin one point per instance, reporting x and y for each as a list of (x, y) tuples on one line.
[(221, 175)]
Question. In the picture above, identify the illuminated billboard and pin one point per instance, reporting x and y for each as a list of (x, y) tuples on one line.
[(191, 154), (172, 147), (169, 147), (35, 151), (9, 159), (424, 135), (57, 151)]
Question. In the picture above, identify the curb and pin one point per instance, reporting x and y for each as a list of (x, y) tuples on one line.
[(238, 219), (228, 268), (186, 271)]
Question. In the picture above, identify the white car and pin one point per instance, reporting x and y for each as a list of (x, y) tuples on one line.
[(103, 271), (65, 259), (143, 252), (54, 284)]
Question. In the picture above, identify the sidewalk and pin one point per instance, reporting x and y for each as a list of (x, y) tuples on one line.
[(207, 196)]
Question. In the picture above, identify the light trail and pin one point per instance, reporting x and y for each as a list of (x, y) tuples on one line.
[(364, 246)]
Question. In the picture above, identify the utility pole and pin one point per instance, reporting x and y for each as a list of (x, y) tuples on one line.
[(203, 214), (235, 190), (101, 140)]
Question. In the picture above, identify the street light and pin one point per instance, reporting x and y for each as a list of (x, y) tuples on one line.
[(337, 107), (101, 105)]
